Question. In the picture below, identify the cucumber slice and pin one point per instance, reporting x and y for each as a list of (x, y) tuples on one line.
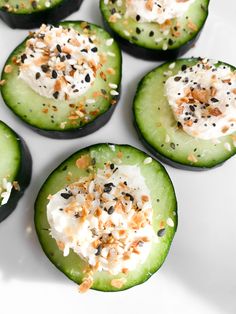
[(51, 117), (15, 168), (162, 198), (155, 123), (152, 40), (27, 14)]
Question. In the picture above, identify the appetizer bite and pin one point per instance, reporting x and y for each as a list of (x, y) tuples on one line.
[(15, 169), (159, 30), (185, 112), (64, 81), (106, 217), (32, 13)]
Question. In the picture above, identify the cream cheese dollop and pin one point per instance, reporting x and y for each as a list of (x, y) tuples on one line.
[(106, 220), (59, 63), (203, 99), (156, 11)]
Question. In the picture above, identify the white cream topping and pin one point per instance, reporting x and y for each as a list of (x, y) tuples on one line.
[(59, 63), (107, 222), (203, 99), (5, 191), (157, 11)]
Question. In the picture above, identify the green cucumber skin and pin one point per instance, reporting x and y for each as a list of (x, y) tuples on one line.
[(158, 154), (35, 19), (50, 254), (89, 128), (78, 132), (23, 177), (145, 53)]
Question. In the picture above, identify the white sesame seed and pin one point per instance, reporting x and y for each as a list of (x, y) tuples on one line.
[(170, 222), (114, 86), (168, 73), (158, 40), (109, 42), (111, 54), (90, 101), (172, 65), (47, 4), (126, 33), (228, 147), (114, 93), (165, 46), (147, 161), (167, 139), (112, 147)]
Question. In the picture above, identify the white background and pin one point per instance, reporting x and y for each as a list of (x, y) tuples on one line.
[(199, 275)]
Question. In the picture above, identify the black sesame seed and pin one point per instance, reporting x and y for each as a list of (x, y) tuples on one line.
[(177, 78), (214, 99), (37, 75), (179, 125), (151, 34), (99, 250), (112, 166), (58, 48), (66, 196), (192, 108), (94, 49), (87, 78), (45, 68), (130, 196), (172, 145), (184, 67), (161, 232), (55, 95), (111, 210), (54, 74), (23, 58)]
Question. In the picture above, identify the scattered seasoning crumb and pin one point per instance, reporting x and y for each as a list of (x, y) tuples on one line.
[(118, 283), (8, 68)]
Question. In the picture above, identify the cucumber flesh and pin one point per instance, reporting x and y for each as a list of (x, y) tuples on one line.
[(152, 40), (51, 117), (163, 202), (155, 123)]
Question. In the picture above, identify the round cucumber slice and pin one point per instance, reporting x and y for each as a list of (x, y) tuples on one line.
[(160, 133), (56, 118), (27, 14), (15, 168), (152, 40), (162, 198)]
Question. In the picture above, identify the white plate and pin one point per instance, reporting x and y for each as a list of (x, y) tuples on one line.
[(199, 275)]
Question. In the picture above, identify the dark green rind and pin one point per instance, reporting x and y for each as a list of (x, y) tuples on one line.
[(169, 157), (69, 132), (138, 50), (72, 265), (36, 18), (23, 177)]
